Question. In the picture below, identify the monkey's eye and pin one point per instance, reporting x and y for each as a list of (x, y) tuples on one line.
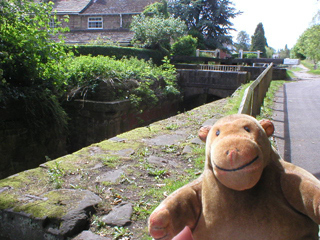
[(217, 132), (247, 129)]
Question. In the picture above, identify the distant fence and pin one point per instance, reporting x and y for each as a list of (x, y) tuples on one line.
[(255, 93), (225, 68)]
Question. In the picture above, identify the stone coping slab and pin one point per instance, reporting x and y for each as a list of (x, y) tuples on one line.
[(58, 199)]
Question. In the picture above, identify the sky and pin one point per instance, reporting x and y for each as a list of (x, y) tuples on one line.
[(283, 20)]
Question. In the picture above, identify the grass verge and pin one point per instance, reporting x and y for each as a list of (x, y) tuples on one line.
[(310, 65), (266, 110)]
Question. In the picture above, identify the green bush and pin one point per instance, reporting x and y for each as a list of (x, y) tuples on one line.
[(250, 55), (30, 78), (119, 52), (185, 46), (28, 57), (129, 78), (156, 32)]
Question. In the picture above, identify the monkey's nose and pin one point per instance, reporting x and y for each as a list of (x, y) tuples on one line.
[(236, 150)]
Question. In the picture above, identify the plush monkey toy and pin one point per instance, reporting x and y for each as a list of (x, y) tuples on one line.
[(246, 192)]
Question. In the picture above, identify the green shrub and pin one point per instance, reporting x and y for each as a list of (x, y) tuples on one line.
[(156, 32), (185, 46), (250, 55), (28, 56), (118, 52), (30, 78), (129, 78)]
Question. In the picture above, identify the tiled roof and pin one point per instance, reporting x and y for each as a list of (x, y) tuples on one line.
[(117, 6), (70, 6)]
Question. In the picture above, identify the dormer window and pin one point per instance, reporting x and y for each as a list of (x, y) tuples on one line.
[(95, 23)]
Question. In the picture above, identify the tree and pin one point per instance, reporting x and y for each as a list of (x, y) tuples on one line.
[(284, 53), (296, 51), (28, 56), (259, 41), (158, 9), (308, 44), (269, 52), (30, 77), (185, 46), (243, 41), (210, 18), (155, 32)]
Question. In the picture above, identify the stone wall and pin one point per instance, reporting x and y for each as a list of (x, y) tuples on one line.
[(19, 150), (94, 121), (32, 208), (278, 73), (217, 83), (90, 122)]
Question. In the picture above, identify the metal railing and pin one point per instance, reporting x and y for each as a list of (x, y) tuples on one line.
[(225, 68), (255, 93)]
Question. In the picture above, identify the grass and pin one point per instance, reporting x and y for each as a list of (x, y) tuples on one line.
[(291, 71), (234, 101), (296, 69), (310, 65), (110, 161), (56, 174), (317, 71), (172, 126), (267, 108), (290, 74)]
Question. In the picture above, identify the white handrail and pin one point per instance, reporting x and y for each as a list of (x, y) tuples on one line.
[(225, 68)]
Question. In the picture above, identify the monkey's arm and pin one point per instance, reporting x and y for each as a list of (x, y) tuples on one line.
[(302, 191), (181, 208)]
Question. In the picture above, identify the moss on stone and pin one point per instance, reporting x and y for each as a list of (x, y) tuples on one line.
[(42, 209), (72, 162), (7, 200), (23, 179), (54, 204), (142, 132), (109, 145)]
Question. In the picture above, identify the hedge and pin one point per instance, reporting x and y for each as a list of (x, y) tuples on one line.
[(118, 52)]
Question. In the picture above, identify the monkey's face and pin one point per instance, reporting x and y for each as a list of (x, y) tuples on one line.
[(236, 149)]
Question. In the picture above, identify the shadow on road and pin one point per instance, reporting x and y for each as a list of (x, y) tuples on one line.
[(287, 141), (280, 120)]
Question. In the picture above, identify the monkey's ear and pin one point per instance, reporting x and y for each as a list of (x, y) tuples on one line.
[(203, 133), (267, 126)]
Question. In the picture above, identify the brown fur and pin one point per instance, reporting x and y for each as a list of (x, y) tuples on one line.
[(246, 192)]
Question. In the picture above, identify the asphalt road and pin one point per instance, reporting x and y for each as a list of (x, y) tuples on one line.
[(297, 122)]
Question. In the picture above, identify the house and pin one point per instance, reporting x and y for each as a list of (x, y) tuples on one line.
[(98, 20)]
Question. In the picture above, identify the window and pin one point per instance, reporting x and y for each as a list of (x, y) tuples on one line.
[(52, 23), (95, 23)]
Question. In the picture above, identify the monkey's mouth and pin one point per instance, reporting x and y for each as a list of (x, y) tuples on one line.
[(239, 168)]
